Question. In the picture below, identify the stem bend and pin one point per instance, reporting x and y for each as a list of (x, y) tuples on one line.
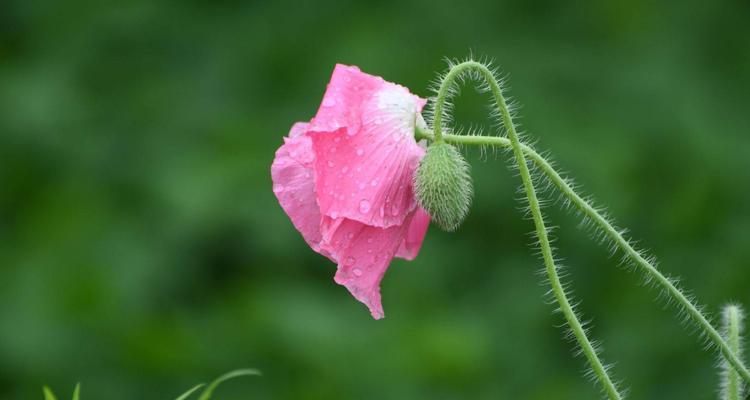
[(600, 371)]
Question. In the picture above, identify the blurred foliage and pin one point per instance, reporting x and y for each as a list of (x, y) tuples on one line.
[(141, 247)]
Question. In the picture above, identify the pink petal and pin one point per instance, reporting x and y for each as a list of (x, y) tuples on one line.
[(414, 235), (294, 184), (366, 155), (345, 180), (364, 253)]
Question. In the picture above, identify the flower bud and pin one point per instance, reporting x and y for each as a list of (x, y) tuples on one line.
[(443, 185)]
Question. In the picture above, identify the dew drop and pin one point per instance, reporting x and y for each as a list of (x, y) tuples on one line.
[(357, 272), (360, 152), (330, 164), (350, 235), (334, 214), (350, 260), (278, 188), (374, 182), (361, 186), (364, 206), (329, 102), (369, 240)]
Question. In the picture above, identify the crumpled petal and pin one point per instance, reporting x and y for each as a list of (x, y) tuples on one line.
[(345, 180), (414, 235), (293, 184), (364, 253), (366, 155)]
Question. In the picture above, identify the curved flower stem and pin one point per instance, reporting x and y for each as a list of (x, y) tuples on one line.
[(541, 231), (610, 231)]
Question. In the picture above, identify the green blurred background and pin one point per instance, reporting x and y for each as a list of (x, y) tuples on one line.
[(142, 250)]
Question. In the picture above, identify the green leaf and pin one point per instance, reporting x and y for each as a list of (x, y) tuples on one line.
[(206, 395), (48, 395), (191, 391), (77, 391)]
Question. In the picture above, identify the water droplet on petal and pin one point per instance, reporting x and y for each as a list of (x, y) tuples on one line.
[(357, 272), (364, 206), (278, 188), (329, 102), (334, 214), (360, 152), (361, 186), (374, 182), (350, 235), (330, 163), (369, 240), (350, 260)]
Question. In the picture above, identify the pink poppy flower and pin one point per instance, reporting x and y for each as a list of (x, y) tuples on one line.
[(345, 179)]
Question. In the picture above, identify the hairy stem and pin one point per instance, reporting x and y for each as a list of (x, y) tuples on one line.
[(541, 231), (613, 234), (732, 329)]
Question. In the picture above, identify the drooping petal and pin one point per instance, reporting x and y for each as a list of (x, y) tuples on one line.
[(366, 155), (294, 184), (414, 235), (345, 180), (364, 253)]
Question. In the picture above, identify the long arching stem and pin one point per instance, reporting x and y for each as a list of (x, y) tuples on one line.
[(613, 234), (541, 231)]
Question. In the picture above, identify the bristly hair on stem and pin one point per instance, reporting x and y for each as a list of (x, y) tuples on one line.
[(606, 231), (731, 387), (440, 113)]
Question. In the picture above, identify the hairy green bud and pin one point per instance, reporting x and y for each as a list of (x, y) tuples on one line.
[(443, 185)]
